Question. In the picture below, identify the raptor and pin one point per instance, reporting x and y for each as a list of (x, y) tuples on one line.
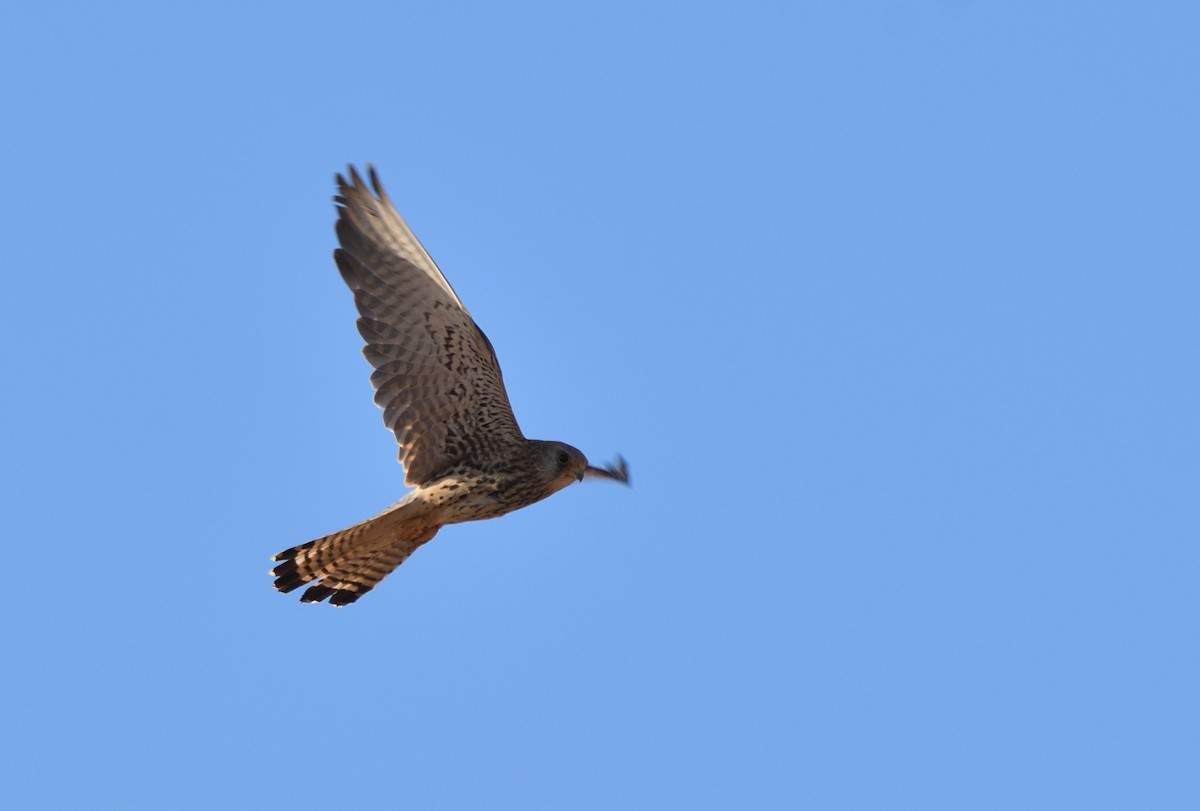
[(439, 384)]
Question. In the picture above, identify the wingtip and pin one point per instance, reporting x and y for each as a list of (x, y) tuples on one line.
[(377, 184), (356, 182)]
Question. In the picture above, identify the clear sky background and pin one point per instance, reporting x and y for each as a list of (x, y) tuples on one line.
[(892, 307)]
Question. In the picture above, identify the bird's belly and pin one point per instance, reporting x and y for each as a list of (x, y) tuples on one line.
[(456, 500)]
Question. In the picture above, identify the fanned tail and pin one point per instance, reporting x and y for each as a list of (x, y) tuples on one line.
[(345, 565)]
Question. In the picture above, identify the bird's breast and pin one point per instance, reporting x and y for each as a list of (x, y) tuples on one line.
[(465, 497)]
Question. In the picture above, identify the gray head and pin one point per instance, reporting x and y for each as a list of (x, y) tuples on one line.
[(561, 464)]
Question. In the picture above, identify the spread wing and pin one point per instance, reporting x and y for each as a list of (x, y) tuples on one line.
[(436, 375)]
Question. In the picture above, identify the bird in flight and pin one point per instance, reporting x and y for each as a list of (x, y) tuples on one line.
[(439, 385)]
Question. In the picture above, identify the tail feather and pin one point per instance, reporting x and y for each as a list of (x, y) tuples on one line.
[(345, 565)]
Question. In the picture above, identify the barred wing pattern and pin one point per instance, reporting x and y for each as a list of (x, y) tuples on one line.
[(436, 375), (439, 385)]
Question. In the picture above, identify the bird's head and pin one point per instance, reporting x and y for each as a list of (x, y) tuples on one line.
[(562, 464)]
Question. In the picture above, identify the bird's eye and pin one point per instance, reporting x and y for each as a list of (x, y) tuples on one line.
[(562, 457)]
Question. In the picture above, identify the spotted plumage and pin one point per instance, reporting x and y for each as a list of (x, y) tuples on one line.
[(439, 384)]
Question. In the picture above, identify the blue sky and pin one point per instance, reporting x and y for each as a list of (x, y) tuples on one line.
[(892, 308)]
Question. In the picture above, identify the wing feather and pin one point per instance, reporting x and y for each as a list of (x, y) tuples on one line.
[(436, 375)]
